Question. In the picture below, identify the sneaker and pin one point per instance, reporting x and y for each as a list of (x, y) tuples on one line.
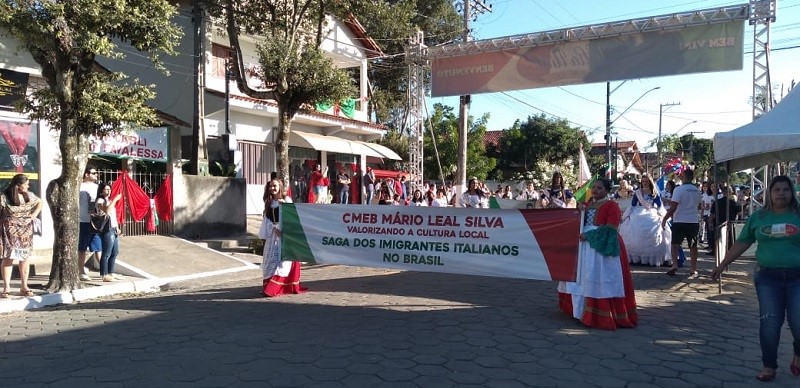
[(85, 277), (108, 278), (694, 275), (116, 277)]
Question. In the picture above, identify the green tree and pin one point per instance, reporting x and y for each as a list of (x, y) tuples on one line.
[(398, 143), (699, 152), (538, 142), (445, 129), (292, 66), (391, 23), (80, 98)]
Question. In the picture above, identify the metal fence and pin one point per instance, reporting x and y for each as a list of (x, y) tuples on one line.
[(150, 182)]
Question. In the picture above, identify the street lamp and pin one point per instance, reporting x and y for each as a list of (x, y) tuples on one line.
[(609, 122), (658, 140), (684, 127)]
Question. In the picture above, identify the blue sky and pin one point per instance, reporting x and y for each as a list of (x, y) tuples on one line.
[(718, 102)]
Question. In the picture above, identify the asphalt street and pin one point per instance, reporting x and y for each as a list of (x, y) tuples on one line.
[(363, 327)]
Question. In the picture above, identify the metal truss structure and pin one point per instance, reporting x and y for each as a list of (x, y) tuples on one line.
[(762, 15), (415, 94), (759, 13), (594, 31)]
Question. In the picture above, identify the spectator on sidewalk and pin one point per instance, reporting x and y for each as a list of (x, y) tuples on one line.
[(86, 239), (109, 239), (344, 187), (18, 209), (369, 185), (723, 209), (777, 275)]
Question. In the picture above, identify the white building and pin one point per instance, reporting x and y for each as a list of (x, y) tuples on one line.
[(329, 138)]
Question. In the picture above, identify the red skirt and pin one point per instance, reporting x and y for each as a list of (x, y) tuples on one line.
[(608, 313), (279, 285)]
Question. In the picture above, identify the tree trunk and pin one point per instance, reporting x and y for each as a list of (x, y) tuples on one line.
[(282, 145), (62, 197)]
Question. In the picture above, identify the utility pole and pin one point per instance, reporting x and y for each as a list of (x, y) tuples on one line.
[(608, 127), (610, 122), (658, 140), (463, 106)]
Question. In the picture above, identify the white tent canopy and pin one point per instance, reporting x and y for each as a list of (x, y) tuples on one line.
[(772, 138)]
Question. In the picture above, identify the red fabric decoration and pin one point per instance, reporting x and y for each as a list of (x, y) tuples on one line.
[(117, 188), (137, 200), (151, 220), (163, 199)]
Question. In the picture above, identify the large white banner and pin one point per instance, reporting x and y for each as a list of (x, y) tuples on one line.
[(528, 244), (146, 144)]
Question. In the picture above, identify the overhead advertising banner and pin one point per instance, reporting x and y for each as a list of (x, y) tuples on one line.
[(525, 244), (705, 48), (146, 144), (13, 85)]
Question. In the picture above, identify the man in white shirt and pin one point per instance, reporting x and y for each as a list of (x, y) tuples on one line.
[(685, 220), (529, 193), (86, 239)]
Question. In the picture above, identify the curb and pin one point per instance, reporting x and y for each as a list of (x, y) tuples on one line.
[(86, 294)]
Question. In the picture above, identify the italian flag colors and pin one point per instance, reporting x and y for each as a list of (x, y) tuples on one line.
[(512, 243)]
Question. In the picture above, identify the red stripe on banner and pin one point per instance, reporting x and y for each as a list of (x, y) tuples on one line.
[(557, 232)]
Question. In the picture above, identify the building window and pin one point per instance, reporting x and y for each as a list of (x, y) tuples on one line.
[(258, 161), (219, 54)]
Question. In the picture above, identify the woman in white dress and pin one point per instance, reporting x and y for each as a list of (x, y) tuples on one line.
[(417, 199), (647, 242), (474, 196), (279, 277)]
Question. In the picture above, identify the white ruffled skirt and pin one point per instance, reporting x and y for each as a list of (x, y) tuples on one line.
[(647, 242)]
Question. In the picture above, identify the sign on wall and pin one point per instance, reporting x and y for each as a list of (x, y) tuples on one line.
[(145, 144), (705, 48), (12, 87), (526, 244), (19, 152)]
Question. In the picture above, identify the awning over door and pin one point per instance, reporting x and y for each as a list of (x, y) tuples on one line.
[(386, 152), (320, 142), (343, 146)]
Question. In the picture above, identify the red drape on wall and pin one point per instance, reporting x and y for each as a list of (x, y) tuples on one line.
[(163, 199), (132, 195), (116, 188)]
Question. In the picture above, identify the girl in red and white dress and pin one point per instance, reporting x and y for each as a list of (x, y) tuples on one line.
[(602, 295), (280, 277)]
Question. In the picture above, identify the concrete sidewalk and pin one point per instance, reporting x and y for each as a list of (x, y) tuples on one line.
[(145, 264)]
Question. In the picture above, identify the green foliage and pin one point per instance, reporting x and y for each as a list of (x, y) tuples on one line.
[(539, 145), (301, 74), (398, 143), (81, 98), (225, 170), (445, 129), (700, 152), (293, 70), (65, 37), (256, 246), (391, 23)]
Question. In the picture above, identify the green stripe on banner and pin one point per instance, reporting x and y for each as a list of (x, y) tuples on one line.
[(493, 203), (294, 244)]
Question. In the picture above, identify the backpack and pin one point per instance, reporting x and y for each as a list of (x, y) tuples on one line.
[(99, 221)]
